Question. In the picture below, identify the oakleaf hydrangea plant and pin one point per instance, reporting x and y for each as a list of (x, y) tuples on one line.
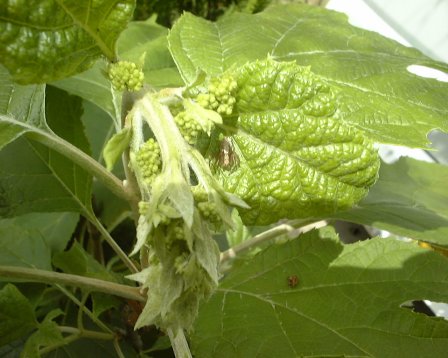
[(176, 189)]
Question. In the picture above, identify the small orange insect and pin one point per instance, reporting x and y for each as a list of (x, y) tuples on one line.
[(293, 281)]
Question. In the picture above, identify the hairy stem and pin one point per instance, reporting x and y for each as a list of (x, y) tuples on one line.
[(179, 343), (265, 236), (92, 284)]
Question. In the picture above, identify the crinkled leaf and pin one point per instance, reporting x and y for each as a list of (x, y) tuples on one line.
[(34, 178), (31, 239), (16, 315), (378, 94), (296, 156), (44, 40), (315, 297), (409, 199)]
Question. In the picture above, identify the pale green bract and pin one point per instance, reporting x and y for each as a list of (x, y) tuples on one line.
[(289, 154)]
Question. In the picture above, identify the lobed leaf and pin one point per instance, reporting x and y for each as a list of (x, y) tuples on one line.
[(378, 93), (45, 40), (343, 301)]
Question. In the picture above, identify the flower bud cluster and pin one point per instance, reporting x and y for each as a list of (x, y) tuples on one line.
[(125, 75), (220, 96), (149, 160), (188, 126)]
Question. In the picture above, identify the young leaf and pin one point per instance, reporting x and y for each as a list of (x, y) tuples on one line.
[(16, 315), (315, 297), (378, 93), (116, 146), (409, 199), (30, 240), (44, 40)]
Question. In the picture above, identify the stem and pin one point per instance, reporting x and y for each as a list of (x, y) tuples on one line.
[(179, 343), (123, 256), (89, 313), (83, 160), (127, 102), (264, 237), (87, 333), (92, 284)]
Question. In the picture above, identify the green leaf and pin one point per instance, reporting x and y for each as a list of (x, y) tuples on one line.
[(293, 156), (16, 315), (26, 103), (115, 147), (150, 39), (315, 297), (78, 262), (378, 94), (99, 129), (34, 178), (30, 240), (44, 40), (159, 68), (409, 199)]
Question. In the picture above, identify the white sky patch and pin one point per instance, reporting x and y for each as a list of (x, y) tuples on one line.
[(428, 72)]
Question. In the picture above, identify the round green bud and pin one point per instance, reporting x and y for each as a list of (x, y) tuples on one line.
[(125, 75), (149, 160)]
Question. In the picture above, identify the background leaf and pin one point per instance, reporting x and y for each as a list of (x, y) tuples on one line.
[(347, 302), (30, 240), (410, 199), (378, 94), (43, 40), (16, 315), (34, 178), (158, 66), (24, 103)]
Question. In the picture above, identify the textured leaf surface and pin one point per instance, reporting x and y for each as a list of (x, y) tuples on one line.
[(296, 157), (43, 40), (16, 314), (346, 302), (409, 199), (30, 240), (34, 178), (379, 94)]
